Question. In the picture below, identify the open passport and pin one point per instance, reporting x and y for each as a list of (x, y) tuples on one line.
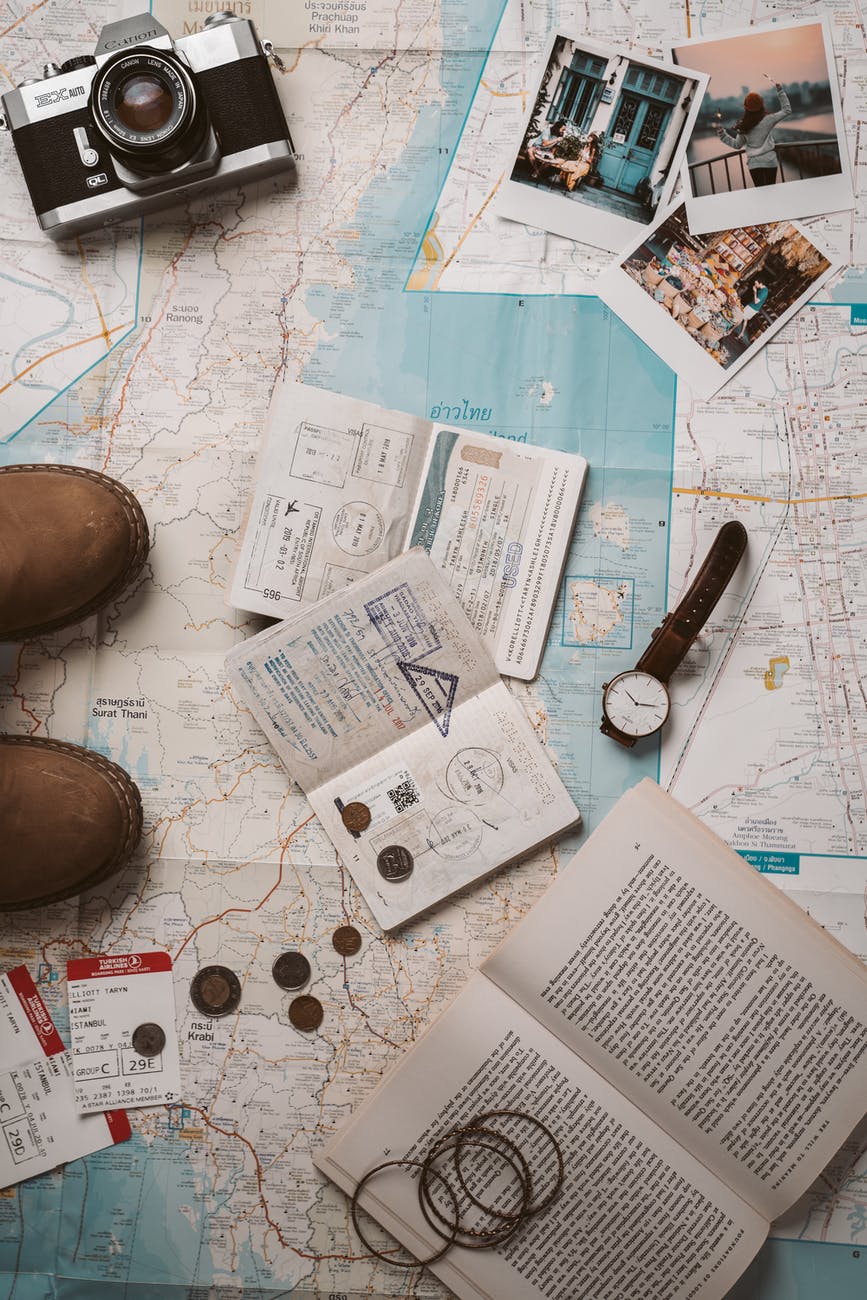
[(697, 1045), (343, 486), (384, 705)]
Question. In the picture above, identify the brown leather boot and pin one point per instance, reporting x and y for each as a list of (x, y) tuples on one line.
[(71, 541), (69, 818)]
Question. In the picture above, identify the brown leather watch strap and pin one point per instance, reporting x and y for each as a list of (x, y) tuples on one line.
[(678, 630)]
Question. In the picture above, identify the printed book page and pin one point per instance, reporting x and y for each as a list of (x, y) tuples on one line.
[(344, 485), (446, 809), (676, 970), (635, 1210)]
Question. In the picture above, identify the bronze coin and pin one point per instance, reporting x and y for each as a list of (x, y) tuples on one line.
[(215, 991), (395, 863), (149, 1039), (356, 817), (346, 940), (291, 970), (306, 1012)]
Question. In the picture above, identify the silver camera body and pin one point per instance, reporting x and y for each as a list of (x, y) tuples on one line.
[(146, 121)]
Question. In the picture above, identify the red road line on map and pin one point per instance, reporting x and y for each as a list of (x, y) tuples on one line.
[(17, 695), (233, 1133), (262, 901)]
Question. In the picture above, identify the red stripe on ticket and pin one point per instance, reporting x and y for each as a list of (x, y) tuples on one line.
[(110, 967), (35, 1010), (118, 1125)]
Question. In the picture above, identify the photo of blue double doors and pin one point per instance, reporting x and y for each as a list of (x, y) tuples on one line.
[(636, 119)]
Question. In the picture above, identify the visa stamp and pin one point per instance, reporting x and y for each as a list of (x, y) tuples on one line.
[(475, 775), (456, 833), (399, 618), (435, 688)]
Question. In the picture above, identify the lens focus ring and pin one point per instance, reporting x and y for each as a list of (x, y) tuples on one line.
[(144, 104)]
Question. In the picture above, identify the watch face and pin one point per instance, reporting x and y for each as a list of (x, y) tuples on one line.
[(636, 703)]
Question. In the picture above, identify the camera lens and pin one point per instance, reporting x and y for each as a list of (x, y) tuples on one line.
[(144, 103)]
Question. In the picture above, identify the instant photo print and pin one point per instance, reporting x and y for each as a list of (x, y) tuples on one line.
[(602, 144), (708, 303), (768, 142)]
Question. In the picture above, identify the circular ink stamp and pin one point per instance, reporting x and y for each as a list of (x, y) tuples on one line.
[(455, 833), (474, 775), (358, 528)]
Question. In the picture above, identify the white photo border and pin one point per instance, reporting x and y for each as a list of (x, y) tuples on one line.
[(669, 340), (787, 199), (570, 218)]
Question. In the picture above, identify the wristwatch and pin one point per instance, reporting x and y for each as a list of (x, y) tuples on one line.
[(636, 703)]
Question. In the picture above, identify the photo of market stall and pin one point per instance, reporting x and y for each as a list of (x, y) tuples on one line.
[(726, 288)]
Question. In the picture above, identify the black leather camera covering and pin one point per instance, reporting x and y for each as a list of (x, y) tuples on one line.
[(52, 168), (243, 103)]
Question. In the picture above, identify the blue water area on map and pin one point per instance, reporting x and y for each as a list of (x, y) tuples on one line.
[(123, 1194), (804, 1270)]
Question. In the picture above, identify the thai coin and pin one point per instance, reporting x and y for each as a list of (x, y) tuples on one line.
[(149, 1039), (291, 970), (395, 863), (215, 991), (306, 1012), (356, 817), (346, 940)]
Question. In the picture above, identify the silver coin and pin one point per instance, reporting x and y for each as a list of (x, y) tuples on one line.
[(291, 970), (395, 863)]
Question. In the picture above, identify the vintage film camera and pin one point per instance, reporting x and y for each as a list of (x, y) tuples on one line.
[(146, 121)]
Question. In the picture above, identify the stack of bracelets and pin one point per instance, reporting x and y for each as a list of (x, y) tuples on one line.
[(447, 1219)]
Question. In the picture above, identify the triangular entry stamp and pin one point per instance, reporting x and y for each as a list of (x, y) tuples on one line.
[(435, 688)]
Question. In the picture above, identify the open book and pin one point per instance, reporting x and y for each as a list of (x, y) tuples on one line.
[(343, 486), (696, 1043), (388, 711)]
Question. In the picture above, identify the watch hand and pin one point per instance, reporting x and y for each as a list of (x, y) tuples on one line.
[(631, 697)]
